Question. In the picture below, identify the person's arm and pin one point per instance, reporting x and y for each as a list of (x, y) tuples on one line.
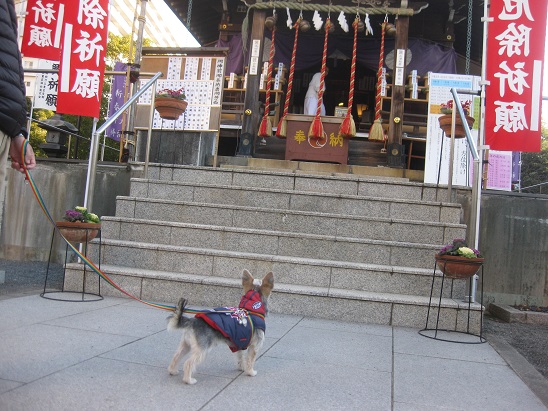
[(315, 83)]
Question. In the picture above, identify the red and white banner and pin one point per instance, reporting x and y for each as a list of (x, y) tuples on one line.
[(83, 58), (514, 69), (43, 29)]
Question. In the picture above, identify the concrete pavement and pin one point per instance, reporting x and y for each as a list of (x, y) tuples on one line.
[(114, 353)]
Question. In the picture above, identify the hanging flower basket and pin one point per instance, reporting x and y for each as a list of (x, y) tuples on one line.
[(458, 267), (78, 232), (170, 108), (447, 119)]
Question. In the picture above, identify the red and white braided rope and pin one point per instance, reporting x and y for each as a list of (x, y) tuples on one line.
[(379, 76), (292, 68), (269, 76), (324, 65), (353, 68)]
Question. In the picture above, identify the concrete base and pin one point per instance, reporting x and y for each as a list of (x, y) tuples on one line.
[(177, 147), (513, 315)]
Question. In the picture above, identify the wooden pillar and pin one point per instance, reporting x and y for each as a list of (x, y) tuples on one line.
[(398, 89), (250, 124)]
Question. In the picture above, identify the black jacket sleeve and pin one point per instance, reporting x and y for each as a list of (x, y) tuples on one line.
[(13, 105)]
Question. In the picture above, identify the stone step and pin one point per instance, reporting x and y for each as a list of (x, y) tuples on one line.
[(341, 246), (326, 183), (276, 243), (307, 167), (251, 196), (299, 271), (319, 301), (289, 221)]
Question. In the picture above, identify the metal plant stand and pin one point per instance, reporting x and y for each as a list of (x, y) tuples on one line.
[(73, 296), (440, 334)]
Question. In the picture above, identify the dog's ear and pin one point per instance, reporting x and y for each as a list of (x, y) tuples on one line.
[(247, 281), (267, 284)]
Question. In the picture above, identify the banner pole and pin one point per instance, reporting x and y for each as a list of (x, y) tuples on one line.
[(478, 166)]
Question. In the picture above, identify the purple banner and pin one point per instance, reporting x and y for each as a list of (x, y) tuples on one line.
[(516, 166), (235, 59), (116, 101)]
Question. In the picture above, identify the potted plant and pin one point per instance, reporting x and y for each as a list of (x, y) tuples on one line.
[(446, 119), (170, 104), (457, 260), (79, 225)]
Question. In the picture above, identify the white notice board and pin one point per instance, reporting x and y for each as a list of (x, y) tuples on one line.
[(438, 146)]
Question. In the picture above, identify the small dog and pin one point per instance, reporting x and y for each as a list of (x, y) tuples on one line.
[(241, 328)]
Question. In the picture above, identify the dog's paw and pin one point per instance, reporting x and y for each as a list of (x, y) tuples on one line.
[(190, 381), (251, 373), (174, 371)]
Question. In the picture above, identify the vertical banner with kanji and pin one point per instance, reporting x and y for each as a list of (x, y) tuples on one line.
[(117, 91), (46, 86), (514, 70), (83, 58), (43, 29)]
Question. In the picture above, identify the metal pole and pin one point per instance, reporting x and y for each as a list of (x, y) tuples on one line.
[(149, 135), (476, 194), (452, 150), (137, 60), (92, 165), (103, 147)]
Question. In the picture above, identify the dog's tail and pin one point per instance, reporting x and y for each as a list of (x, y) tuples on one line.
[(176, 320)]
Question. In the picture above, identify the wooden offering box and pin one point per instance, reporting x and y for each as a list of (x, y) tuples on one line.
[(332, 149)]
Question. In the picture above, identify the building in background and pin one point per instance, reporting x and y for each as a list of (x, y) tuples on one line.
[(162, 27)]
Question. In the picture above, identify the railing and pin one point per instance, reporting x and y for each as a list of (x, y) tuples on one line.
[(471, 144), (521, 189), (90, 180), (71, 134), (78, 137), (474, 219)]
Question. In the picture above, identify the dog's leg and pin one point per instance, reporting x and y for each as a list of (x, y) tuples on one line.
[(197, 355), (252, 352), (182, 350), (240, 358), (250, 362)]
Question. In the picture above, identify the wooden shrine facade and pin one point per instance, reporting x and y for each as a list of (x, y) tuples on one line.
[(440, 21)]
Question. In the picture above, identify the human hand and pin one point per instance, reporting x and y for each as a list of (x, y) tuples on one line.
[(15, 154)]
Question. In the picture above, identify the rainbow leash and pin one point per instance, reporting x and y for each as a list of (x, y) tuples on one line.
[(86, 261)]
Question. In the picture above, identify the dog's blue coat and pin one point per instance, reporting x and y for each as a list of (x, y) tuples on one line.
[(238, 324)]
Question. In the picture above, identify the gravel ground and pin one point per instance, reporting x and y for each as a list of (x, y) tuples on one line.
[(530, 341), (28, 277)]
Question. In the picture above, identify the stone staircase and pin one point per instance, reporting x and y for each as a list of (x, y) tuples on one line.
[(340, 246)]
